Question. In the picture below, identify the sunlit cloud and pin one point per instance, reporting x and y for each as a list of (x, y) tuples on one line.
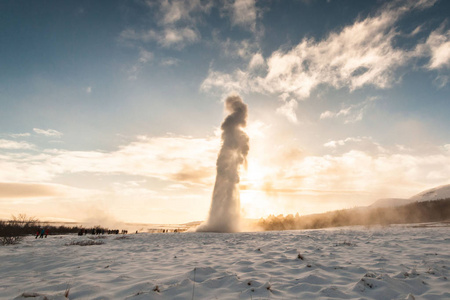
[(48, 132), (382, 174), (178, 159)]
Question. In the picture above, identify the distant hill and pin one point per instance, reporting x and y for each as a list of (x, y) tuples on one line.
[(437, 193), (390, 202)]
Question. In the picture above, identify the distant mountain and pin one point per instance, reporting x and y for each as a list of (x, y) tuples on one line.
[(437, 193)]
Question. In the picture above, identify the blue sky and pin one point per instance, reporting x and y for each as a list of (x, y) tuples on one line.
[(110, 109)]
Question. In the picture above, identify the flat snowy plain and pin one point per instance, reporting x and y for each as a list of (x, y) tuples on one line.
[(396, 262)]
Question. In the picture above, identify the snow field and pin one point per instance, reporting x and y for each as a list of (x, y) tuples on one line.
[(349, 263)]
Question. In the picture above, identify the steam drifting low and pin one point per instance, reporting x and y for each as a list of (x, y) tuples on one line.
[(224, 214)]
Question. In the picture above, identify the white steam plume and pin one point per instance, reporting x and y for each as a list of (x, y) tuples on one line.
[(225, 212)]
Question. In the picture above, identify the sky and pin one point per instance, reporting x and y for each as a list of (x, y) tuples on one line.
[(111, 110)]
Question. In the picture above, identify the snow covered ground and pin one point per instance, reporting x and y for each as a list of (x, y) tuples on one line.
[(394, 262)]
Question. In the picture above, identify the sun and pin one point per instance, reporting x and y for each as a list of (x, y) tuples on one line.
[(255, 202)]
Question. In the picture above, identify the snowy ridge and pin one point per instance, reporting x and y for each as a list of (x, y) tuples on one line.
[(436, 193)]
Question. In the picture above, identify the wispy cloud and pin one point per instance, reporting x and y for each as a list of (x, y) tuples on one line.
[(438, 47), (168, 62), (19, 135), (48, 132), (176, 24), (243, 49), (174, 37), (145, 57), (350, 114), (364, 143), (176, 11), (243, 13)]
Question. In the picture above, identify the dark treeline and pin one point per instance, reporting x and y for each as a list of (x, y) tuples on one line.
[(11, 231), (417, 212)]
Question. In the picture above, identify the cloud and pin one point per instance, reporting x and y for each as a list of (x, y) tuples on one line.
[(288, 110), (438, 47), (178, 37), (13, 145), (172, 12), (168, 62), (145, 57), (244, 49), (366, 144), (88, 90), (350, 114), (171, 37), (48, 132), (256, 62), (176, 24), (168, 38), (243, 13), (362, 54), (18, 135)]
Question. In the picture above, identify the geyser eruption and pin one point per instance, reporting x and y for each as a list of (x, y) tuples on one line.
[(225, 212)]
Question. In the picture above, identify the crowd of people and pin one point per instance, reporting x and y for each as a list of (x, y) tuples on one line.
[(100, 231)]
